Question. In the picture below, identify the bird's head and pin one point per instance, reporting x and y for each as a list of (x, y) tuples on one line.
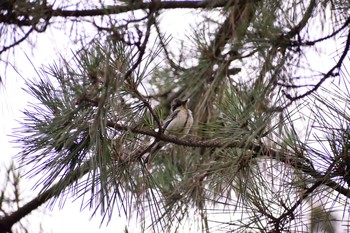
[(178, 103)]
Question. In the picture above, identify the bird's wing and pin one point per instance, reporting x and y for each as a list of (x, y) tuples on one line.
[(169, 119), (159, 145)]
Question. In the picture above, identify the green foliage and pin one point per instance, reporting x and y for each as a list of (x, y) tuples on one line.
[(322, 220), (67, 129)]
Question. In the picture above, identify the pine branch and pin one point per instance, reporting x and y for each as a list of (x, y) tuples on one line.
[(158, 5), (13, 17), (46, 12), (8, 221), (258, 150)]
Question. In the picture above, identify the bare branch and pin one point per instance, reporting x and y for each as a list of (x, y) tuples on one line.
[(5, 48), (303, 22), (157, 5), (309, 43), (8, 221), (331, 73)]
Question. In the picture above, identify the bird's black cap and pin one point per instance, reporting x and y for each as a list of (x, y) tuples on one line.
[(177, 103)]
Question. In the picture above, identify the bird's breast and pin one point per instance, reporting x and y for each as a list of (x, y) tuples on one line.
[(181, 123)]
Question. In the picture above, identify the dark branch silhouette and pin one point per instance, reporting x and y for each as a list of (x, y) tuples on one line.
[(331, 73)]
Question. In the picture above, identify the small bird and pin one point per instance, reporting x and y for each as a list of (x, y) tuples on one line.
[(178, 123)]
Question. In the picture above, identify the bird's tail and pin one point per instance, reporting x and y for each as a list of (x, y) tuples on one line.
[(157, 146)]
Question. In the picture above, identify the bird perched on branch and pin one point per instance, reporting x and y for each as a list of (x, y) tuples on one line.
[(178, 123)]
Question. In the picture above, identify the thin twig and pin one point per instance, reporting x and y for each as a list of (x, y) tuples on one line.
[(18, 41), (329, 74), (167, 53), (127, 76), (308, 43)]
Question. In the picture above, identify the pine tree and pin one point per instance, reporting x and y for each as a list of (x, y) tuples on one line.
[(269, 148)]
